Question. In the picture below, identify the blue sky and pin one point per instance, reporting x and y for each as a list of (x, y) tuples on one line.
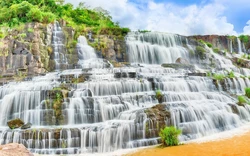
[(186, 17)]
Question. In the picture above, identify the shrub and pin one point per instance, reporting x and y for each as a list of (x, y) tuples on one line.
[(218, 76), (242, 99), (247, 91), (209, 45), (169, 136), (244, 38)]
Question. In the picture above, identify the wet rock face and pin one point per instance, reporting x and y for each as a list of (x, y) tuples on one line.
[(15, 123), (14, 149), (26, 126), (158, 118)]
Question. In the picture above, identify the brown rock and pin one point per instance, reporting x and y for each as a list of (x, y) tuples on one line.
[(14, 149), (15, 123), (181, 61)]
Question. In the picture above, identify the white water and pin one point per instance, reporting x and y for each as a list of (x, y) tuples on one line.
[(87, 56), (239, 46), (58, 46), (155, 48)]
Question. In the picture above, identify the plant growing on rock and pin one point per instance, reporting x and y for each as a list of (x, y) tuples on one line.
[(169, 136), (247, 92), (218, 77), (241, 100), (159, 95), (231, 75), (201, 52)]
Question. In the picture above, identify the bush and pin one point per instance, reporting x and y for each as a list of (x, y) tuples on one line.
[(242, 99), (247, 91), (209, 45), (244, 38), (169, 136)]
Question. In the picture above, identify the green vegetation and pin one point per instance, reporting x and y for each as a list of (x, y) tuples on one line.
[(244, 38), (205, 43), (201, 52), (216, 50), (247, 92), (159, 95), (143, 31), (218, 76), (169, 136), (241, 100), (231, 74), (15, 13)]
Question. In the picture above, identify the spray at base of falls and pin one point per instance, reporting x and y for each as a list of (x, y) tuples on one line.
[(107, 109)]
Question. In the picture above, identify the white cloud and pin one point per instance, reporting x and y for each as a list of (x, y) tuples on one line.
[(247, 28), (166, 17)]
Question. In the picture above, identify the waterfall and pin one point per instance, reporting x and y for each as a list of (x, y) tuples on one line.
[(84, 50), (87, 56), (239, 46), (58, 46), (231, 45), (106, 109), (154, 48)]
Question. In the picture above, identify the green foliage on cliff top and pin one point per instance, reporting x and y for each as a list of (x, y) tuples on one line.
[(14, 13), (244, 38)]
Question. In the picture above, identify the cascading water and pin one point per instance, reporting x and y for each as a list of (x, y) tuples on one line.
[(155, 48), (239, 46), (103, 110), (58, 46), (87, 56)]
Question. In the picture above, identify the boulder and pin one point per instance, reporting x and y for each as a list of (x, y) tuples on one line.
[(14, 149), (181, 61), (15, 123), (26, 126)]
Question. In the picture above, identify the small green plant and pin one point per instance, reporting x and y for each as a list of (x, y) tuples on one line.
[(159, 95), (169, 136), (242, 100), (209, 74), (209, 44), (247, 92), (30, 30), (231, 74), (218, 76), (216, 50)]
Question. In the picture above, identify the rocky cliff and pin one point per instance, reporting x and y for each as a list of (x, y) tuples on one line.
[(27, 50), (228, 43)]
